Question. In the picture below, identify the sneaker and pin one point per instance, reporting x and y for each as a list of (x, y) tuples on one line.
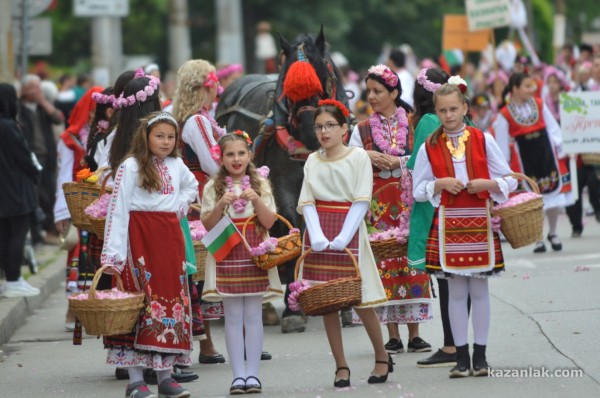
[(19, 289), (418, 345), (438, 360), (138, 390), (170, 389), (26, 285), (394, 346)]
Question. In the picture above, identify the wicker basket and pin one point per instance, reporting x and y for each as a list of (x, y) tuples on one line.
[(107, 317), (388, 248), (288, 247), (592, 159), (80, 195), (522, 224), (331, 296), (97, 224), (200, 252)]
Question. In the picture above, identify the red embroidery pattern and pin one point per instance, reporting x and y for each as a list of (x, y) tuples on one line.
[(165, 177)]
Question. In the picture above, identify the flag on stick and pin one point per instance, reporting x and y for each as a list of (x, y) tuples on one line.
[(222, 238)]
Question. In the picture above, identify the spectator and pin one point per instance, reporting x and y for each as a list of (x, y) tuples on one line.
[(397, 62)]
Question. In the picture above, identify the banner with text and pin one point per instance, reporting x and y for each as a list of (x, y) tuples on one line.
[(580, 121), (486, 14)]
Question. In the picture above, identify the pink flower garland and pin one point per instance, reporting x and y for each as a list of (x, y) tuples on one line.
[(295, 289), (400, 137), (239, 205), (220, 131), (263, 171), (426, 83)]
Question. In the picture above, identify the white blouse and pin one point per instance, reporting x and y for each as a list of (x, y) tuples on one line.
[(192, 135), (179, 189), (424, 179)]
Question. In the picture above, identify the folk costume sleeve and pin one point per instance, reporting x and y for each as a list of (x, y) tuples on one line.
[(498, 169), (116, 235), (188, 190), (424, 180), (200, 138), (318, 241), (355, 139), (65, 174), (306, 195), (554, 131), (502, 135), (267, 195), (363, 178), (427, 125), (209, 198)]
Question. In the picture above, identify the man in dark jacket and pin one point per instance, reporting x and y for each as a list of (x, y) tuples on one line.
[(36, 116)]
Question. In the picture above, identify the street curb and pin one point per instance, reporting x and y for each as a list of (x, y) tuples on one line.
[(14, 311)]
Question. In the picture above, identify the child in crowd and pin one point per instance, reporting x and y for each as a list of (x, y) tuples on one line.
[(335, 196), (240, 192), (458, 170), (145, 244)]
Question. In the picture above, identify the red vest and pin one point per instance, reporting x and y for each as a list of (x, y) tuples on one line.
[(475, 157), (516, 129)]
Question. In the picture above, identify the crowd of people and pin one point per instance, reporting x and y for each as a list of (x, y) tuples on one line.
[(415, 146)]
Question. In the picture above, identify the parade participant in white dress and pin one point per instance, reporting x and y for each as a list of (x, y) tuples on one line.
[(458, 170), (531, 141), (335, 197), (145, 244), (240, 192)]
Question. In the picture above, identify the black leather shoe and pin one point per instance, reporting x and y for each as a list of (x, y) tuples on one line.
[(375, 378), (555, 242), (180, 376), (342, 383), (211, 359)]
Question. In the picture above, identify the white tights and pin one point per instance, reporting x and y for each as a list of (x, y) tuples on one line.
[(244, 329), (552, 216), (459, 290)]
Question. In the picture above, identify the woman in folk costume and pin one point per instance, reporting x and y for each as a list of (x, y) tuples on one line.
[(335, 197), (385, 137), (71, 152), (144, 243), (531, 140), (458, 171), (240, 192), (196, 90)]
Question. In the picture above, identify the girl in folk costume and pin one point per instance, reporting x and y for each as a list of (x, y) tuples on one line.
[(196, 90), (385, 137), (240, 192), (335, 197), (531, 140), (425, 122), (555, 83), (144, 243), (458, 170), (71, 152)]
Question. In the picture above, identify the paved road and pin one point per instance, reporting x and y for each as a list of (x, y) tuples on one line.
[(545, 315)]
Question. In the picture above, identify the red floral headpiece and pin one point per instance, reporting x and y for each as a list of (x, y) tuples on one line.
[(337, 104), (245, 135)]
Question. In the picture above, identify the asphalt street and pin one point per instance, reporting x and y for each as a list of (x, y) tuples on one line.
[(543, 341)]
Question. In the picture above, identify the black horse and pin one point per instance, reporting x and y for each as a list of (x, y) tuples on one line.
[(256, 103)]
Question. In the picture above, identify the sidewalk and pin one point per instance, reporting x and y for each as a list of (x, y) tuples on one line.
[(14, 311)]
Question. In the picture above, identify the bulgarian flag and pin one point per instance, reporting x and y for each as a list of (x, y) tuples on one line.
[(222, 238)]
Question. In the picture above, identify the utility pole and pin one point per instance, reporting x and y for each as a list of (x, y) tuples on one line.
[(180, 47), (230, 32), (106, 49), (7, 70)]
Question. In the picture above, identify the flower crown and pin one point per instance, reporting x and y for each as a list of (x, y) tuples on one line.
[(100, 98), (426, 83), (388, 76), (458, 81), (211, 79), (335, 103), (228, 70), (142, 95), (245, 135)]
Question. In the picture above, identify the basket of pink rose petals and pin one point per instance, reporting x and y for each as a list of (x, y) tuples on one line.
[(198, 231), (107, 312), (275, 251), (522, 216), (392, 243)]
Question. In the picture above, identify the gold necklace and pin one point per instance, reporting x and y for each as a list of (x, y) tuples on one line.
[(458, 152)]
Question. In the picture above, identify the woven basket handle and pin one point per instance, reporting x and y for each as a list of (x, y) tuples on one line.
[(97, 275), (530, 181), (104, 181), (283, 219), (196, 207), (309, 250)]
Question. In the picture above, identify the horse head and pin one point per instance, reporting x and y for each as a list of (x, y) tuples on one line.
[(307, 76)]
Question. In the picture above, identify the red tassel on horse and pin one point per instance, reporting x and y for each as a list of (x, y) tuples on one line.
[(301, 82)]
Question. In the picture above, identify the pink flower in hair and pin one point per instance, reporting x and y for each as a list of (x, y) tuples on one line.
[(130, 100), (139, 72), (388, 76), (215, 153), (141, 95), (149, 90), (427, 84)]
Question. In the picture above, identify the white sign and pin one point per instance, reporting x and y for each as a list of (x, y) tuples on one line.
[(487, 14), (34, 7), (101, 8), (39, 36), (580, 121)]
